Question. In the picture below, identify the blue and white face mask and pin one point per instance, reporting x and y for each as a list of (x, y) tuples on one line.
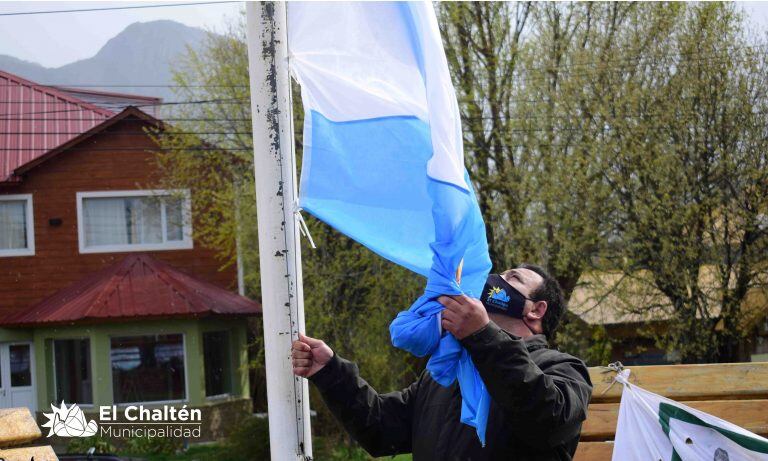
[(502, 298)]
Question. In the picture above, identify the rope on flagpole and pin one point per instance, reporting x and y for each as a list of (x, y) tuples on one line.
[(303, 226), (622, 375)]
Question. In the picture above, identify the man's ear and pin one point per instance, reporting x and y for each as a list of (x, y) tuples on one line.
[(538, 310)]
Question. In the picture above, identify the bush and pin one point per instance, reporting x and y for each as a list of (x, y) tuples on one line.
[(143, 446), (249, 440), (82, 445)]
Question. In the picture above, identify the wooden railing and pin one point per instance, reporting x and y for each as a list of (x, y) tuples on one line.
[(736, 392), (18, 427)]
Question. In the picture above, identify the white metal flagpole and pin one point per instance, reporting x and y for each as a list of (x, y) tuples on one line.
[(279, 246)]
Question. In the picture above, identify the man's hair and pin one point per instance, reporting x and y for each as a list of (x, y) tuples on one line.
[(548, 291)]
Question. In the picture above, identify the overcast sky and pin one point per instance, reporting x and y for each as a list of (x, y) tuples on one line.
[(57, 39)]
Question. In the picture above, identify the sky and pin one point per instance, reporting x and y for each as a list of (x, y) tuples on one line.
[(757, 14), (57, 39), (61, 38)]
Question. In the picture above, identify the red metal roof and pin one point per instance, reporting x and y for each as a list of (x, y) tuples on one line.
[(115, 101), (36, 118), (136, 287)]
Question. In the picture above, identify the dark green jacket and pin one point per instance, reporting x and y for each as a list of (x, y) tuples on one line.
[(540, 399)]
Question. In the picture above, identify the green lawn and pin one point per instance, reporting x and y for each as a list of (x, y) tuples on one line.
[(214, 452), (211, 452)]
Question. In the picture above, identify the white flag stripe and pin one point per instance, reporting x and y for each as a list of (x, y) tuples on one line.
[(363, 52), (447, 162)]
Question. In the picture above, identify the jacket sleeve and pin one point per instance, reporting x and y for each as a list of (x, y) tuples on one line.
[(543, 405), (380, 423)]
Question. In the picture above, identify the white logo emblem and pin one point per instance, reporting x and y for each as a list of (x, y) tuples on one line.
[(69, 422)]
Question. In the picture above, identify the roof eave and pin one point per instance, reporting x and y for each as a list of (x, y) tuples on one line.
[(108, 320), (127, 112), (56, 92)]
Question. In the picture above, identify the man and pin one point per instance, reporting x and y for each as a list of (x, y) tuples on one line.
[(539, 395)]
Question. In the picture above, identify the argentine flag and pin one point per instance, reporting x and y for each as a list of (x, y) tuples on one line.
[(652, 427), (383, 162)]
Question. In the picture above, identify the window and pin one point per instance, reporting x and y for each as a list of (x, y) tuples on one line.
[(72, 371), (17, 232), (21, 365), (148, 368), (218, 368), (133, 221)]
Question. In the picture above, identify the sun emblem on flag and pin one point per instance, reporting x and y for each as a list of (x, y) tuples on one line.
[(69, 422)]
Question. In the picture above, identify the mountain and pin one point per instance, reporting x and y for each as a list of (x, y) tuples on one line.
[(29, 70), (142, 54)]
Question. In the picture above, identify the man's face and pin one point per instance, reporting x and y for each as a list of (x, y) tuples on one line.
[(525, 281)]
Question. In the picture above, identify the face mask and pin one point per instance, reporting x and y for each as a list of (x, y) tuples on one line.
[(502, 298)]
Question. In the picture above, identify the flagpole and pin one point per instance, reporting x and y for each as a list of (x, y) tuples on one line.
[(279, 246)]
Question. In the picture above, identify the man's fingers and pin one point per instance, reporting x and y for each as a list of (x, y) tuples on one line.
[(447, 325), (444, 300), (448, 315), (300, 346), (301, 363), (461, 299), (312, 342), (448, 302), (301, 354), (301, 371)]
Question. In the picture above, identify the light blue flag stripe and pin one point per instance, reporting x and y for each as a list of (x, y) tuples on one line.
[(368, 179)]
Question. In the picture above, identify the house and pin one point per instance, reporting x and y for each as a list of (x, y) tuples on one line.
[(632, 311), (105, 298)]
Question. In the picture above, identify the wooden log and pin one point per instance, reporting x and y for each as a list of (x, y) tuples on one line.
[(752, 415), (723, 381), (29, 453), (17, 426), (594, 451)]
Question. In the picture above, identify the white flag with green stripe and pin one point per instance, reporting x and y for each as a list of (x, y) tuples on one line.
[(654, 428)]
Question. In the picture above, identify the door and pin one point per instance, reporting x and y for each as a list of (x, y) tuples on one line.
[(17, 387)]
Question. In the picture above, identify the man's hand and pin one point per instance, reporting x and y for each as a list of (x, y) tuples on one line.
[(463, 315), (309, 356)]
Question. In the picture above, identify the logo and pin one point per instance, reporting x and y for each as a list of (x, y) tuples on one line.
[(499, 295), (128, 421), (69, 422)]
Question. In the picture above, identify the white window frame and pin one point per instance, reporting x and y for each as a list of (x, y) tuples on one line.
[(151, 402), (30, 250), (185, 244)]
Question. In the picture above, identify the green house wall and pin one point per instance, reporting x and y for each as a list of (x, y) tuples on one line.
[(101, 368)]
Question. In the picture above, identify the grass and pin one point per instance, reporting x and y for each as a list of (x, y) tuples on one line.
[(208, 452), (215, 452)]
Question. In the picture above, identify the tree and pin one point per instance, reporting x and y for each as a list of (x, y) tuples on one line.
[(482, 44), (530, 141), (621, 137), (688, 168)]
